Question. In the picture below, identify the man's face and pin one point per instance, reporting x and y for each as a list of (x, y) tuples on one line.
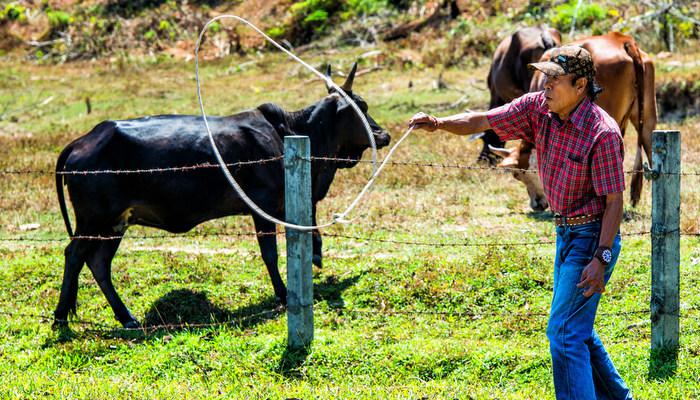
[(561, 94)]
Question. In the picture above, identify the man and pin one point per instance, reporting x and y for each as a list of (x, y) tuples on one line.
[(580, 154)]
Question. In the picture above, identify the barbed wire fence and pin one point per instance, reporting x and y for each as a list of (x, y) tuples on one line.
[(57, 237), (209, 166), (239, 318)]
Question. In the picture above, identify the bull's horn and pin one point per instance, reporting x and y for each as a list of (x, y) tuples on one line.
[(476, 136), (328, 74), (501, 151), (347, 86)]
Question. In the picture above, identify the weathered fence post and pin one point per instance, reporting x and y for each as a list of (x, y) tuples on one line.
[(297, 199), (665, 250)]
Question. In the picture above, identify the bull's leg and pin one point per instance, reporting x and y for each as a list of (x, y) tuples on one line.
[(100, 263), (67, 302), (268, 249), (490, 138), (317, 243)]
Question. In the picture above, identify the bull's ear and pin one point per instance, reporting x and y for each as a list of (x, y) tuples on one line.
[(347, 86)]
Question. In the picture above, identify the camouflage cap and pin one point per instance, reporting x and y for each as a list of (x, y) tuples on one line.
[(567, 60)]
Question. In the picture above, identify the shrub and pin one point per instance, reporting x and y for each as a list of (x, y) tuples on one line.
[(14, 12), (562, 16), (58, 19)]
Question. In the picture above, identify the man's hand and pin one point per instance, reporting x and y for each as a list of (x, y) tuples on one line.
[(593, 278), (423, 121)]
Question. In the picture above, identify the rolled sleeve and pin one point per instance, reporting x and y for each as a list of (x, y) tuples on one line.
[(607, 165), (514, 120)]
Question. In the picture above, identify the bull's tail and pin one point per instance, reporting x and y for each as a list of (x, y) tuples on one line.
[(60, 164), (637, 180)]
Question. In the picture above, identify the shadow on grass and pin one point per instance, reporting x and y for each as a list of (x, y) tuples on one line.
[(180, 310), (536, 215), (540, 215), (663, 363), (184, 309), (330, 291)]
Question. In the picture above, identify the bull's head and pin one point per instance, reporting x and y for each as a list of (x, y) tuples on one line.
[(538, 78), (522, 161), (346, 137)]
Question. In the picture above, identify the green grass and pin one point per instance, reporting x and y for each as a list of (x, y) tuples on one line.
[(392, 321)]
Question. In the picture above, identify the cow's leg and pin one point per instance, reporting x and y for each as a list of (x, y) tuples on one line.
[(74, 260), (100, 263), (317, 242), (267, 239), (490, 138)]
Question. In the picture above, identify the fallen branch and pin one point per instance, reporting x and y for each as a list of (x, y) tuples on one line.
[(404, 30)]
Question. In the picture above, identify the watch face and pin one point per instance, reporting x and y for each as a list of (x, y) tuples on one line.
[(607, 255)]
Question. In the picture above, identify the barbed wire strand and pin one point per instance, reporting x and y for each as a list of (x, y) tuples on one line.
[(105, 328), (325, 234), (189, 168), (184, 168)]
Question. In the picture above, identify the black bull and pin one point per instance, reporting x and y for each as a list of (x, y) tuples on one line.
[(106, 204)]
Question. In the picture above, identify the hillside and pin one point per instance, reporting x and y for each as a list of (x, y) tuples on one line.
[(64, 30)]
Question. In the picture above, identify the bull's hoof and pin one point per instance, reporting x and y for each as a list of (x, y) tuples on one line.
[(133, 324), (317, 261), (281, 300), (59, 324)]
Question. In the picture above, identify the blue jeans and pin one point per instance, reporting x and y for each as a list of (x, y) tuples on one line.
[(582, 367)]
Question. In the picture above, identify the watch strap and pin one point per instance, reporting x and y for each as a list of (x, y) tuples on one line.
[(599, 254)]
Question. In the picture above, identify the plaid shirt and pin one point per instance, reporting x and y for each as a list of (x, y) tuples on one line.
[(579, 160)]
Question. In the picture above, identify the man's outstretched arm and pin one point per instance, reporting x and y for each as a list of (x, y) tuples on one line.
[(460, 124)]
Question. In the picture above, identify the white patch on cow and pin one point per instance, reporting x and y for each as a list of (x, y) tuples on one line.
[(123, 221)]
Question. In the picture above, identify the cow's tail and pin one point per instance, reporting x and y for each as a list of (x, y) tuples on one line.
[(637, 180), (60, 164)]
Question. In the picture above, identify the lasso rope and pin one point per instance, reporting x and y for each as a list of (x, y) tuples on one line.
[(337, 218)]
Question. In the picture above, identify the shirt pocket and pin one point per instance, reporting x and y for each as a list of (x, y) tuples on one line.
[(576, 177)]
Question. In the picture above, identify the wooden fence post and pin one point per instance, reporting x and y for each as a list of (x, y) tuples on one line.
[(297, 199), (665, 250)]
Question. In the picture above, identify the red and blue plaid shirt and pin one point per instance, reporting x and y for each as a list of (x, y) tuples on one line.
[(580, 160)]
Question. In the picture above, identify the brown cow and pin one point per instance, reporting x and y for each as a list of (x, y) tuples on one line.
[(509, 76), (626, 75)]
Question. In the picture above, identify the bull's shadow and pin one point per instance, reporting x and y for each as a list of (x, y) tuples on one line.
[(178, 310), (185, 309)]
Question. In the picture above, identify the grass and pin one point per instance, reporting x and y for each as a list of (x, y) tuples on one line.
[(377, 331)]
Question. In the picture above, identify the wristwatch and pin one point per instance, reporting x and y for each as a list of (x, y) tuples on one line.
[(604, 254)]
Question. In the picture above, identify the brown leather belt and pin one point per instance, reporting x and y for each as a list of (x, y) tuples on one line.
[(560, 220)]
